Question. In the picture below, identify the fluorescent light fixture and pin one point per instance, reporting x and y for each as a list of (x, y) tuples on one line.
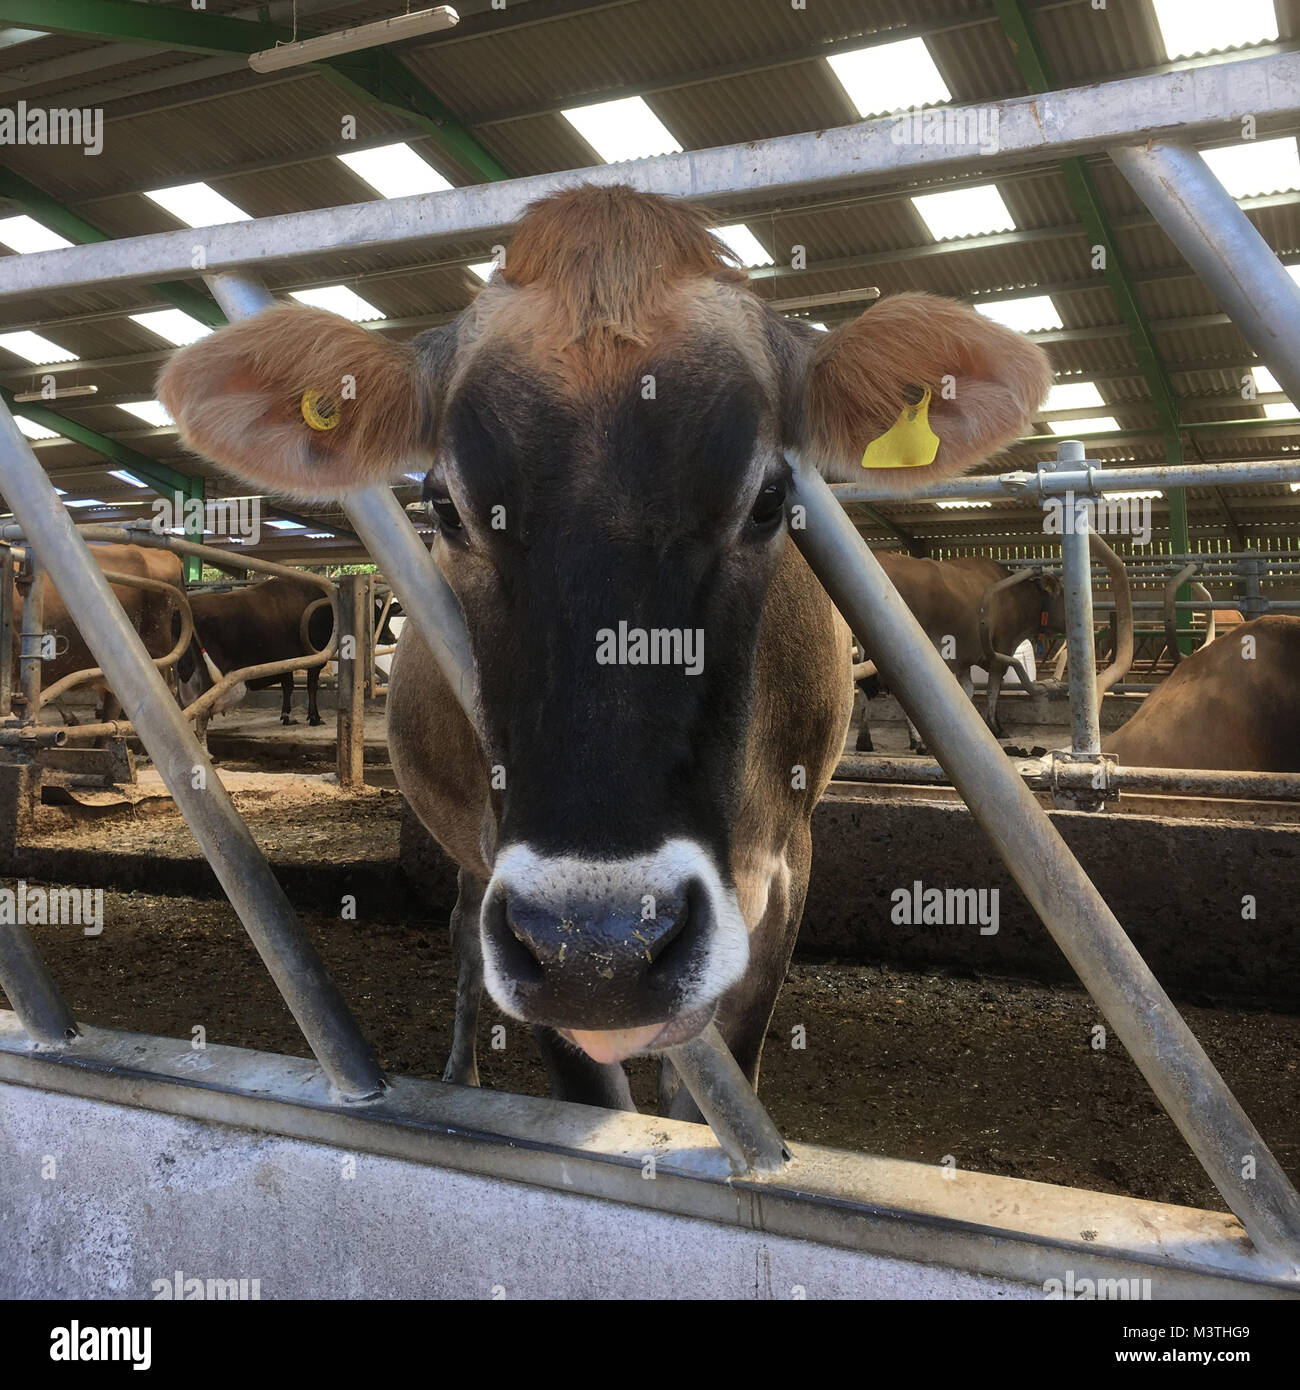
[(743, 244), (482, 269), (124, 477), (151, 412), (59, 393), (1033, 314), (959, 212), (381, 31), (1099, 424), (287, 525), (394, 171), (24, 234), (960, 506), (1119, 496), (34, 431), (338, 299), (35, 348), (1265, 381), (1253, 167), (1280, 410), (197, 205), (1189, 27), (84, 502), (1073, 395), (625, 129), (172, 326), (890, 77)]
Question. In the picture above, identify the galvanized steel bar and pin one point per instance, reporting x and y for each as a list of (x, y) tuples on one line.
[(351, 682), (1076, 565), (31, 637), (31, 990), (1193, 101), (1129, 996), (6, 632), (188, 773), (1222, 246)]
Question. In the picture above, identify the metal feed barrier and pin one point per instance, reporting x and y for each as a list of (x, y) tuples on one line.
[(840, 1199)]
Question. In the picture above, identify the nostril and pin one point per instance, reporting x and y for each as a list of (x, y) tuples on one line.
[(679, 930)]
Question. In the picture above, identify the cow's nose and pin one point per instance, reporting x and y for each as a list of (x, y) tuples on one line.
[(597, 964)]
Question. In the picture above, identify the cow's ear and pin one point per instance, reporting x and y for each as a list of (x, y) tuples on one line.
[(299, 401), (917, 389)]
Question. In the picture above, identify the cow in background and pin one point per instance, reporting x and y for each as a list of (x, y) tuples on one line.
[(607, 426), (249, 627), (154, 615), (1232, 706), (945, 597)]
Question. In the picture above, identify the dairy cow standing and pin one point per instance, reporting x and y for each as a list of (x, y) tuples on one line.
[(606, 429)]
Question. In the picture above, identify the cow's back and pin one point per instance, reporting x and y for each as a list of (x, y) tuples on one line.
[(1223, 708), (256, 624), (944, 597)]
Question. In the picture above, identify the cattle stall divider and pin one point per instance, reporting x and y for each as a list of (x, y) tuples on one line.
[(988, 1226)]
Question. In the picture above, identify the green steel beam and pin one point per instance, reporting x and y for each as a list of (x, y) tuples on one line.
[(373, 77), (1034, 68), (75, 228)]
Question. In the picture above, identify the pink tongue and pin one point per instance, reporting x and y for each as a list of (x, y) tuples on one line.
[(615, 1044)]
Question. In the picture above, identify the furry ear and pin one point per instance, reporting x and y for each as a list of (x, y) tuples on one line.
[(300, 402), (984, 381)]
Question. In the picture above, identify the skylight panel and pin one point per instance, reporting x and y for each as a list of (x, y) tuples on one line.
[(32, 430), (24, 234), (1073, 395), (1033, 314), (890, 77), (1280, 410), (124, 477), (1253, 167), (83, 502), (960, 506), (287, 525), (625, 129), (1137, 496), (172, 326), (1099, 424), (34, 348), (959, 212), (746, 246), (151, 412), (1189, 27), (1265, 381), (395, 171), (197, 205), (482, 269), (338, 299), (1294, 272)]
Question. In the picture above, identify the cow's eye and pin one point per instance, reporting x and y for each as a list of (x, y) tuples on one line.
[(445, 510), (770, 505)]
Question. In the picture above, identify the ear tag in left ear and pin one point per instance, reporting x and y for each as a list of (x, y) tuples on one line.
[(320, 411), (908, 443)]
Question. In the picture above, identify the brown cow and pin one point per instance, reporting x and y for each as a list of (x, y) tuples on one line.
[(945, 597), (150, 613), (249, 627), (607, 429), (1233, 706)]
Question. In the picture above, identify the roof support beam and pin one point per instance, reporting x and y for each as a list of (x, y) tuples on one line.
[(1034, 68)]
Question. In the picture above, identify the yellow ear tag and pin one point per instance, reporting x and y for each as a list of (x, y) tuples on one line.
[(908, 443), (320, 411)]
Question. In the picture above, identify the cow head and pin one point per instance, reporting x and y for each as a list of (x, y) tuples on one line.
[(605, 431)]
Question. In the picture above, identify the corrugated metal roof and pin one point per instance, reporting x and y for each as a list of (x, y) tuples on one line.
[(725, 72)]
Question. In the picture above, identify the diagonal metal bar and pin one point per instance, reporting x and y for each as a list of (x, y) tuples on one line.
[(188, 773), (1092, 940)]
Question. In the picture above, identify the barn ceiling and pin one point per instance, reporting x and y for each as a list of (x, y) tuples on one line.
[(486, 100)]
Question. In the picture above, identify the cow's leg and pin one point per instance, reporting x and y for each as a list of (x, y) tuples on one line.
[(313, 680), (286, 697), (467, 952), (994, 690), (746, 1012), (863, 743), (914, 740), (967, 683), (574, 1076)]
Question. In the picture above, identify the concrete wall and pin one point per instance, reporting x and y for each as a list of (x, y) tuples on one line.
[(100, 1201)]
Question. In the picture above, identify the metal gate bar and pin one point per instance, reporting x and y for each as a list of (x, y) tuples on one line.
[(1223, 247), (1092, 940), (188, 773), (1079, 120)]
